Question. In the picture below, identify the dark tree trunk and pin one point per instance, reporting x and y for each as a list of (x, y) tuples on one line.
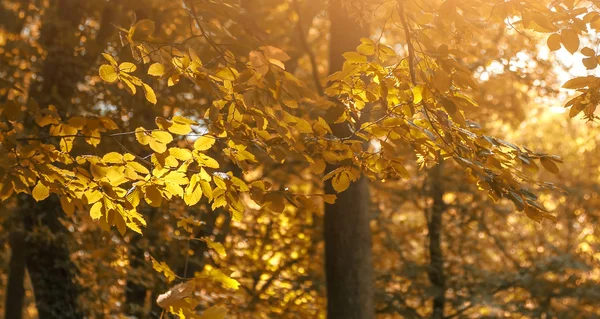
[(15, 291), (46, 248), (348, 261), (50, 268), (434, 227), (135, 291), (48, 260)]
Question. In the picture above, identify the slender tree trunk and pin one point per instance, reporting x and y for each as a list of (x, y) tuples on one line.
[(15, 291), (434, 227), (348, 261), (135, 291)]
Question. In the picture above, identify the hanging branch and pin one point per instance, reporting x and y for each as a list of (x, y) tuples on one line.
[(411, 48), (311, 55)]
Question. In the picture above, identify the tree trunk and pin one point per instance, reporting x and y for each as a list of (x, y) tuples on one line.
[(135, 290), (15, 291), (348, 261), (48, 261), (434, 227), (46, 249)]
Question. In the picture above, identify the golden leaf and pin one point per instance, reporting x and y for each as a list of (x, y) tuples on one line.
[(149, 93), (127, 67), (259, 62), (570, 39), (275, 53), (549, 165), (203, 143), (214, 312), (152, 196), (341, 182), (96, 211), (108, 73), (40, 192), (218, 247), (156, 69)]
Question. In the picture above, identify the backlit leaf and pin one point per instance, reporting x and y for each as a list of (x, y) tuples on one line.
[(40, 192), (108, 73)]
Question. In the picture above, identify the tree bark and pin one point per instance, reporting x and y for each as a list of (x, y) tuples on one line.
[(46, 249), (48, 260), (15, 291), (434, 227), (51, 270), (348, 261)]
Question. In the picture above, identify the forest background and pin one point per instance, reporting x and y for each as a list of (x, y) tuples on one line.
[(299, 159)]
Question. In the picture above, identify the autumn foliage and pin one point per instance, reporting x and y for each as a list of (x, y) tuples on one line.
[(199, 158)]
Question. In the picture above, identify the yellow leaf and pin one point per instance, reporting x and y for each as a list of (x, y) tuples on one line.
[(163, 268), (156, 69), (275, 53), (181, 154), (341, 182), (162, 136), (175, 177), (193, 193), (207, 161), (329, 198), (127, 67), (545, 24), (97, 171), (214, 312), (153, 196), (570, 39), (587, 51), (218, 247), (108, 73), (113, 158), (590, 63), (129, 85), (67, 205), (441, 80), (580, 82), (259, 62), (417, 92), (227, 73), (149, 93), (554, 42), (138, 167), (533, 213), (203, 143), (366, 49), (549, 165), (181, 125), (110, 59), (96, 211), (40, 192), (354, 57), (219, 276), (92, 196)]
